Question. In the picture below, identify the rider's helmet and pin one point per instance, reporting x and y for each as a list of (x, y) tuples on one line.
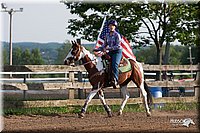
[(114, 22)]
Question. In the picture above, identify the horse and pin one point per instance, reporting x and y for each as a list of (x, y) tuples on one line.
[(98, 77)]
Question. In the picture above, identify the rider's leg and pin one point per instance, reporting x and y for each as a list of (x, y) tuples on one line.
[(116, 58)]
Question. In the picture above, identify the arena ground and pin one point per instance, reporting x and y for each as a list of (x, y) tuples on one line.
[(160, 121)]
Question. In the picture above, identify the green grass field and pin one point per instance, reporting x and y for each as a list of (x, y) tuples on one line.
[(95, 108)]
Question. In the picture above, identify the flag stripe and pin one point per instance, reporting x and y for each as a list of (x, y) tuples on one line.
[(127, 47), (127, 50)]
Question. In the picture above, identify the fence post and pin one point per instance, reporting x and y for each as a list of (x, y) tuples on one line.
[(197, 88), (24, 94), (24, 78), (65, 77), (80, 91), (71, 79)]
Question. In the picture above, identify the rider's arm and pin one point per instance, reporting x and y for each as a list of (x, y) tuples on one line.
[(117, 41), (104, 45)]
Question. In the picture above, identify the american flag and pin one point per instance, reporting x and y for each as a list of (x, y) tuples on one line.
[(126, 52)]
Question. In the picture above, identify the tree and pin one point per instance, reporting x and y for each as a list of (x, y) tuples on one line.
[(178, 55), (162, 22), (36, 58), (17, 56), (5, 57), (26, 57), (147, 55), (92, 15), (62, 52)]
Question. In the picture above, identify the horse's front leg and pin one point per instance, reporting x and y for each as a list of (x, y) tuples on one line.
[(88, 99), (102, 99), (126, 96)]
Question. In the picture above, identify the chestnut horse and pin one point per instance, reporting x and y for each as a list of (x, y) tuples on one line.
[(98, 78)]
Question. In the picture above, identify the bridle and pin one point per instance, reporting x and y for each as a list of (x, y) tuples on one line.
[(78, 54)]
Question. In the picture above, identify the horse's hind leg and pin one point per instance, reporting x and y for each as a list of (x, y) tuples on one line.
[(102, 99), (126, 96), (88, 99), (144, 95)]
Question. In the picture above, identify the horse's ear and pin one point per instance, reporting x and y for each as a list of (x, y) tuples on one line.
[(77, 43), (74, 43)]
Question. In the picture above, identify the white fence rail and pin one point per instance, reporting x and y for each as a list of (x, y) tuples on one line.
[(73, 78)]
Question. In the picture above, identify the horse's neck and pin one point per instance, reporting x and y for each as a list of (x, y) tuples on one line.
[(86, 52), (89, 59)]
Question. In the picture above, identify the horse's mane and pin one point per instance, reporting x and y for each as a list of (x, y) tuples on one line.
[(99, 64)]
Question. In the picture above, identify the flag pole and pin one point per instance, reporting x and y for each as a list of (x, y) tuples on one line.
[(104, 20)]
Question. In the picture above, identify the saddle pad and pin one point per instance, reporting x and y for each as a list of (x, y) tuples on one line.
[(125, 68)]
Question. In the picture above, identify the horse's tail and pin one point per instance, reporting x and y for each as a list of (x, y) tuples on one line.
[(149, 96)]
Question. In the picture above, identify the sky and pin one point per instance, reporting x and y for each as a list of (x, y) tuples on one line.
[(43, 22)]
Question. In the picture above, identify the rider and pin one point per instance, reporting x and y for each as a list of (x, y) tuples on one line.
[(112, 44)]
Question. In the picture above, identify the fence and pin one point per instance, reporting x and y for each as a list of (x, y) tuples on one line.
[(74, 78)]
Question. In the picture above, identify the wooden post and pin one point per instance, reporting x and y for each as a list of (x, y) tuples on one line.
[(24, 78), (65, 77), (197, 88), (80, 91), (24, 94), (71, 79)]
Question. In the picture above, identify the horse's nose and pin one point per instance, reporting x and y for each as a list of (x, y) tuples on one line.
[(72, 64), (69, 61)]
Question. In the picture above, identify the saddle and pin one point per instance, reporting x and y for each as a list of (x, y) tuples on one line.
[(124, 65)]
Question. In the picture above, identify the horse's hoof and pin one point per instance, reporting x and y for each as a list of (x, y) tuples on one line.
[(110, 114), (119, 113), (81, 115), (149, 114)]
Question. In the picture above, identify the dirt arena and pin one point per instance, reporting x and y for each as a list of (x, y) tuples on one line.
[(160, 121)]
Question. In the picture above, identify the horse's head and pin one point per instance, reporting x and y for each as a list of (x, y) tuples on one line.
[(74, 54)]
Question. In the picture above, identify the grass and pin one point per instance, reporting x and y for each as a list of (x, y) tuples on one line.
[(95, 108), (180, 106)]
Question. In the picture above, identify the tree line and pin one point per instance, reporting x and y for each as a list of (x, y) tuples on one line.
[(178, 55), (25, 57)]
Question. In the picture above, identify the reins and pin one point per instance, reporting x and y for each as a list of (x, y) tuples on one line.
[(88, 62), (81, 50)]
